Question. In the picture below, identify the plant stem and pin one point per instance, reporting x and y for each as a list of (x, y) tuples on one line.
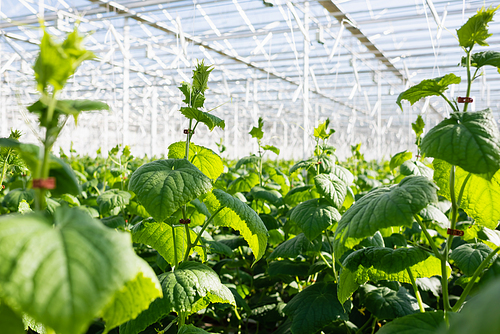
[(175, 245), (469, 81), (260, 164), (4, 169), (462, 189), (415, 289), (449, 102), (205, 226), (428, 236), (471, 283), (324, 260), (188, 235), (366, 324)]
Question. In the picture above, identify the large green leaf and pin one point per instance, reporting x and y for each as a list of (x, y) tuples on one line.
[(10, 322), (272, 196), (481, 194), (16, 196), (204, 158), (382, 208), (251, 159), (244, 183), (479, 315), (332, 188), (468, 257), (111, 199), (300, 194), (377, 263), (314, 308), (76, 268), (314, 216), (485, 58), (206, 118), (296, 246), (416, 168), (470, 140), (163, 186), (191, 287), (239, 216), (428, 87), (66, 180), (475, 30), (161, 237), (387, 304), (398, 159), (419, 323)]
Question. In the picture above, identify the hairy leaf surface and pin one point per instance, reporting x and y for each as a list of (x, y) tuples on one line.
[(419, 323), (296, 246), (314, 216), (204, 158), (387, 304), (332, 188), (111, 199), (468, 257)]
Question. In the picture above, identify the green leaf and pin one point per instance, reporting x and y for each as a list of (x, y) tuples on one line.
[(287, 267), (470, 140), (321, 131), (244, 183), (163, 186), (418, 323), (200, 77), (66, 180), (306, 164), (332, 188), (478, 315), (432, 214), (191, 287), (272, 196), (76, 267), (191, 97), (480, 196), (387, 304), (133, 298), (416, 168), (475, 30), (377, 263), (191, 329), (271, 148), (279, 177), (219, 248), (252, 159), (206, 118), (344, 174), (426, 88), (70, 199), (485, 58), (382, 208), (67, 107), (296, 246), (160, 237), (14, 198), (398, 159), (241, 217), (314, 308), (257, 132), (111, 199), (10, 322), (468, 257), (204, 158), (418, 126), (300, 194), (314, 216)]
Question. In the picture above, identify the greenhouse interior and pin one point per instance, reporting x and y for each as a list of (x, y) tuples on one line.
[(249, 166)]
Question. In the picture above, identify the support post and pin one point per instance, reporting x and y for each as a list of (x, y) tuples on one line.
[(235, 131), (379, 114), (305, 151), (3, 109), (126, 79)]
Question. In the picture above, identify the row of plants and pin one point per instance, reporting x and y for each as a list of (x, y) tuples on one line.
[(193, 243)]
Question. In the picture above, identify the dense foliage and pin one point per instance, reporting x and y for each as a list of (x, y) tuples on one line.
[(193, 243)]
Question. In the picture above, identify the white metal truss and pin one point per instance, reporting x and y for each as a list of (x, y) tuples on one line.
[(294, 63)]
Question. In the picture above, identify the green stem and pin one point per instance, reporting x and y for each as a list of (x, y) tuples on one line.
[(471, 283), (260, 164), (175, 245), (449, 102), (366, 324), (325, 260), (415, 289), (205, 226), (469, 81), (4, 169), (188, 235), (462, 189), (428, 236)]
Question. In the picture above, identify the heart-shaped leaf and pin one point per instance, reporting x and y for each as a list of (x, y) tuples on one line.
[(76, 269), (427, 87), (206, 118), (418, 323), (416, 168), (475, 30), (16, 196), (468, 257), (191, 287), (204, 158), (111, 199), (244, 183), (387, 304), (272, 196), (161, 237), (296, 246), (314, 216), (332, 188), (163, 186), (239, 216), (470, 140), (377, 263), (398, 159), (382, 208), (314, 308), (485, 58)]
